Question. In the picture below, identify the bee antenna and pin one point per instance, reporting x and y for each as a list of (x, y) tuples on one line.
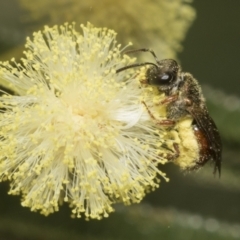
[(143, 50), (136, 65)]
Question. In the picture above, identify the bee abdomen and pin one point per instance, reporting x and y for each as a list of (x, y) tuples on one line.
[(204, 147)]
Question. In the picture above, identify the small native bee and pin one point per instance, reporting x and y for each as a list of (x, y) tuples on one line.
[(184, 98)]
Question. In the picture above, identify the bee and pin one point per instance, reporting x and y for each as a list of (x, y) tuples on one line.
[(184, 99)]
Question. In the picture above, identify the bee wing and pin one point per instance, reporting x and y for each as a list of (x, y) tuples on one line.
[(209, 128)]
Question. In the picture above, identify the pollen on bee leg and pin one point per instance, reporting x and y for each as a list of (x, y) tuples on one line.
[(188, 145)]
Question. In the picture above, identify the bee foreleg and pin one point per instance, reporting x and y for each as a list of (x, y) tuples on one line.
[(169, 99), (164, 122)]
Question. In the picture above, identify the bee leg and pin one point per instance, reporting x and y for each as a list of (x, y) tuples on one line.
[(171, 157), (144, 81), (164, 122), (169, 99), (175, 155)]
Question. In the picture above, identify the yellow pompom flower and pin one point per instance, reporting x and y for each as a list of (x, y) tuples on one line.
[(76, 131)]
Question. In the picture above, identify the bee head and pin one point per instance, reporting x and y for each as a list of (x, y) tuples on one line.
[(164, 74)]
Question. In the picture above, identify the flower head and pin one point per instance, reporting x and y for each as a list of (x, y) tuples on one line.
[(76, 131)]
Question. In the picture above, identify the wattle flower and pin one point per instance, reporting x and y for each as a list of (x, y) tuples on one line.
[(76, 131)]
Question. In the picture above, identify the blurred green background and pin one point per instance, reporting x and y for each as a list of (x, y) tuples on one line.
[(204, 36)]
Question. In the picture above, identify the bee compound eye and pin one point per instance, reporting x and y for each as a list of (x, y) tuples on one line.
[(166, 77)]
